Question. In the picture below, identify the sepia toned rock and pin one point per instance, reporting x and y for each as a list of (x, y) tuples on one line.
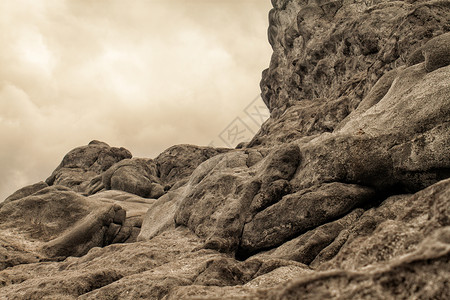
[(26, 191), (137, 176), (177, 163), (82, 164), (55, 222), (342, 194)]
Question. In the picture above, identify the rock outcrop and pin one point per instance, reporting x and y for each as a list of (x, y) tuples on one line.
[(26, 191), (137, 176), (177, 163), (344, 193), (82, 164), (339, 49), (56, 222)]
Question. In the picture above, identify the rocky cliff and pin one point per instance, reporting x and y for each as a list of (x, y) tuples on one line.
[(344, 193)]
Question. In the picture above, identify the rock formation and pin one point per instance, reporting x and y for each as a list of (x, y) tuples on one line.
[(344, 193)]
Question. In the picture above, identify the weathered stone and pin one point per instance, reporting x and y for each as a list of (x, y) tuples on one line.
[(426, 268), (134, 205), (26, 191), (359, 159), (259, 276), (296, 213), (270, 194), (402, 110), (222, 272), (120, 216), (82, 164), (161, 215), (394, 228), (137, 176), (111, 233), (130, 217), (437, 52), (178, 162), (307, 118), (364, 149), (104, 266), (13, 252), (254, 157), (281, 163), (377, 92), (56, 221), (425, 159), (336, 49), (219, 195), (307, 246), (359, 99), (157, 191), (217, 198)]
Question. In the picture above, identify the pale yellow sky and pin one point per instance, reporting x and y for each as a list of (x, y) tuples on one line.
[(143, 75)]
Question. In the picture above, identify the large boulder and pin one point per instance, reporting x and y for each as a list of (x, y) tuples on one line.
[(216, 198), (399, 143), (436, 52), (297, 213), (177, 163), (306, 247), (393, 229), (56, 222), (219, 196), (402, 109), (137, 176), (151, 178), (82, 164)]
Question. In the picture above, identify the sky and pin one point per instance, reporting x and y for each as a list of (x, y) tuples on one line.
[(144, 75)]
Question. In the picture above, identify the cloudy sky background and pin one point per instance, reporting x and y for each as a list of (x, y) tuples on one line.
[(143, 75)]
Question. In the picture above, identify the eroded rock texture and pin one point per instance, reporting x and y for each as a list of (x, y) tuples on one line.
[(344, 193), (326, 50), (82, 164)]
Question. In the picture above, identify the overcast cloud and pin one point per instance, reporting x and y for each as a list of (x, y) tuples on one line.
[(143, 75)]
